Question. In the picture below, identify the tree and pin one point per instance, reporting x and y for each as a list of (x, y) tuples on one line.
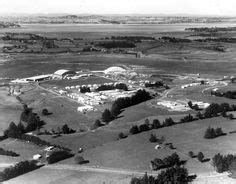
[(190, 104), (191, 154), (122, 135), (199, 115), (106, 116), (21, 127), (168, 122), (12, 131), (115, 110), (156, 124), (231, 116), (143, 127), (45, 112), (134, 130), (210, 133), (200, 156), (79, 159), (97, 123), (219, 132), (153, 138)]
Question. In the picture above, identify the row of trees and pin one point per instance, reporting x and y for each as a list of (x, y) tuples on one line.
[(213, 110), (8, 153), (168, 161), (16, 131), (18, 169), (105, 87), (175, 40), (175, 175), (116, 44), (121, 103), (212, 133), (223, 163)]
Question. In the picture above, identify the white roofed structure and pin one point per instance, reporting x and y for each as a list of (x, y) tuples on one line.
[(114, 69)]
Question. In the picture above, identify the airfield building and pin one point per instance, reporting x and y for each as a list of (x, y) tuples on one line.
[(114, 70), (60, 74)]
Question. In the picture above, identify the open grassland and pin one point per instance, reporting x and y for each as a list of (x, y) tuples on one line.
[(136, 152), (10, 109), (63, 110), (44, 175)]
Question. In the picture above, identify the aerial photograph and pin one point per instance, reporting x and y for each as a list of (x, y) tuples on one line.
[(117, 92)]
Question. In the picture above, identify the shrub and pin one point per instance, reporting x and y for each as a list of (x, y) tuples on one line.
[(97, 123), (67, 130), (156, 124), (79, 159), (45, 112), (231, 116), (122, 135), (56, 156), (153, 138), (168, 122), (106, 116), (200, 156)]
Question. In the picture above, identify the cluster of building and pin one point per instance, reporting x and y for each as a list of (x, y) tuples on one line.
[(190, 85), (181, 105), (99, 98)]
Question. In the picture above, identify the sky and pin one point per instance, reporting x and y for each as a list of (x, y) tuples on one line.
[(193, 7)]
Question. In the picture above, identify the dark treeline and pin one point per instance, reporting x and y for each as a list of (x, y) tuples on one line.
[(133, 38), (116, 44), (211, 29), (105, 87), (226, 40), (121, 103), (175, 40), (227, 94), (173, 175), (13, 131), (18, 169)]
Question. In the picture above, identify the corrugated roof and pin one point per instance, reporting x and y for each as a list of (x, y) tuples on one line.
[(61, 72)]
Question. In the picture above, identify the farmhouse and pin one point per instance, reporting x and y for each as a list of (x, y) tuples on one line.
[(60, 74)]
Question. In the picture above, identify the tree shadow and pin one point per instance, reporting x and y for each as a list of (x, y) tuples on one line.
[(84, 162), (206, 160)]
